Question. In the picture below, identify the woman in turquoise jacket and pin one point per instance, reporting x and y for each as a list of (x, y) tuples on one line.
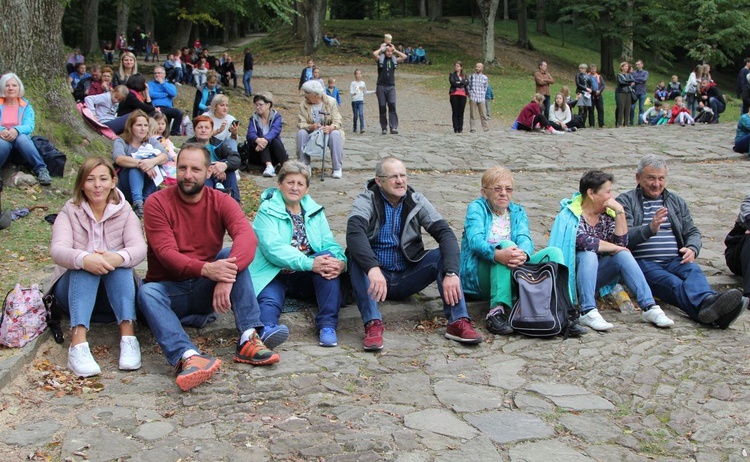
[(297, 256), (17, 121), (496, 239)]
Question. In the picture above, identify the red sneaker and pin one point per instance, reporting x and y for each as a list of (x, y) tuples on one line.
[(373, 335), (462, 332), (254, 352), (195, 370)]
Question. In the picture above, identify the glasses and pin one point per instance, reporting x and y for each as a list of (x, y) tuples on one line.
[(259, 105), (499, 189), (394, 177)]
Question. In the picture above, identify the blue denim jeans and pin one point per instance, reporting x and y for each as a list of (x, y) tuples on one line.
[(402, 284), (164, 303), (141, 185), (301, 284), (25, 149), (358, 108), (717, 105), (684, 286), (640, 102), (247, 79), (76, 291), (230, 184), (594, 271)]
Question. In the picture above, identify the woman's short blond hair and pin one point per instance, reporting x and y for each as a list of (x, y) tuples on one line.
[(494, 174), (292, 167)]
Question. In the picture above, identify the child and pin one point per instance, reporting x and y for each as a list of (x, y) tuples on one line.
[(160, 130), (680, 113), (661, 92), (665, 115), (653, 114), (489, 96), (316, 77), (387, 40), (358, 90), (104, 105), (333, 91), (154, 52), (674, 88)]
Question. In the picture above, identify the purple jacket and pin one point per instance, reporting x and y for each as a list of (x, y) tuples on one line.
[(255, 127)]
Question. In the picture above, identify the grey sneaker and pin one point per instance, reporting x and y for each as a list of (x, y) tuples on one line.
[(43, 177)]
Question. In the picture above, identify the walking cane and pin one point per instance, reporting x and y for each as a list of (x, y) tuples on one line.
[(325, 144)]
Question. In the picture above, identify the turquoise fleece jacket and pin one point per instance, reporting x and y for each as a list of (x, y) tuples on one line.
[(274, 228), (25, 114), (563, 236), (474, 245)]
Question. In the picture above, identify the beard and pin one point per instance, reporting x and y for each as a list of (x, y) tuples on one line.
[(190, 189)]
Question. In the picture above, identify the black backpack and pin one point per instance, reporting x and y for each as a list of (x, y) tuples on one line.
[(543, 307), (54, 159)]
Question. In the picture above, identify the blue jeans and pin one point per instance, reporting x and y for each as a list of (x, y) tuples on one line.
[(24, 147), (684, 286), (76, 291), (163, 303), (607, 269), (640, 101), (402, 284), (141, 185), (358, 108), (230, 184), (247, 79), (301, 284), (718, 106)]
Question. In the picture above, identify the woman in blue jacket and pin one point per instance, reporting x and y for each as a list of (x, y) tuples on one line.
[(264, 134), (496, 239), (297, 256), (17, 121)]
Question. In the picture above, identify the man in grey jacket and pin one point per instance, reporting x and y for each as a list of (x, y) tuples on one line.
[(388, 259), (665, 242)]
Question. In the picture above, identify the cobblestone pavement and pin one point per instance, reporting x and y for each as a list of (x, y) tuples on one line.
[(636, 393)]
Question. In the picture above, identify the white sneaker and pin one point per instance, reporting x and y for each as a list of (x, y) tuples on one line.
[(655, 315), (130, 353), (337, 174), (269, 172), (81, 362), (595, 321)]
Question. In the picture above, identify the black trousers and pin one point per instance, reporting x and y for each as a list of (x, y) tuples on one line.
[(738, 260), (597, 103), (275, 152), (458, 107)]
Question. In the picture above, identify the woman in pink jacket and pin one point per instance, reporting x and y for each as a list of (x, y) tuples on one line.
[(96, 242)]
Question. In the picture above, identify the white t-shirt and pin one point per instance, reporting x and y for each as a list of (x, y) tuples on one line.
[(217, 125)]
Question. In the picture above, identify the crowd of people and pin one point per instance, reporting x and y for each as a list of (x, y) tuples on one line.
[(645, 237)]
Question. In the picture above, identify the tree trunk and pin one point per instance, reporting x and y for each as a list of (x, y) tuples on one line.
[(627, 35), (90, 45), (123, 13), (541, 17), (314, 11), (422, 8), (488, 10), (148, 18), (435, 9), (523, 28), (225, 31), (506, 14), (605, 67)]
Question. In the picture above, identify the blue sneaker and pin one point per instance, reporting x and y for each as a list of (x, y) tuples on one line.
[(274, 335), (328, 337)]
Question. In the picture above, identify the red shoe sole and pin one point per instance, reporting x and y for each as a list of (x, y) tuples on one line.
[(272, 360), (187, 382)]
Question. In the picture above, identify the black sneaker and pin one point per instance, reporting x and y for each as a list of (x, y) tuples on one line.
[(385, 132), (723, 322), (716, 306), (497, 323), (394, 131), (575, 329)]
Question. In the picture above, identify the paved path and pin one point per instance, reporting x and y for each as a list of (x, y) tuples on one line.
[(636, 393)]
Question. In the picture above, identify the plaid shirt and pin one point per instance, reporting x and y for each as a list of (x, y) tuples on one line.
[(388, 249), (478, 87)]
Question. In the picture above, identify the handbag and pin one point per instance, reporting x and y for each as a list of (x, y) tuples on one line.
[(316, 146), (24, 316), (633, 96)]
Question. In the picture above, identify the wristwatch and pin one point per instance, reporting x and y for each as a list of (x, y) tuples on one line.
[(450, 273)]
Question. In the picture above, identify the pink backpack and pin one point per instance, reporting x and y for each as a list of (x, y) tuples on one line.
[(24, 316)]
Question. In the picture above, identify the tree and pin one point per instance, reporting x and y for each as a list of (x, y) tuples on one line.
[(523, 30), (314, 12), (720, 29), (541, 17), (488, 10), (148, 17), (506, 14), (123, 13), (435, 9), (90, 27)]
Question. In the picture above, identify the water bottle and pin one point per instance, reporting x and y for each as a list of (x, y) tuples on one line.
[(622, 299)]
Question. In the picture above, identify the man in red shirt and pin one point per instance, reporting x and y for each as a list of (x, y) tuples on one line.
[(190, 276)]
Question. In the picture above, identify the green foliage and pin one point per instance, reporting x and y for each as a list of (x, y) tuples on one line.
[(720, 29)]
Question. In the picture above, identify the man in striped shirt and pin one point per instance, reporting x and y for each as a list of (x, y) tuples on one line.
[(665, 242)]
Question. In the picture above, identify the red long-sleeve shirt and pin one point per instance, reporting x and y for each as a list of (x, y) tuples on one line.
[(182, 237)]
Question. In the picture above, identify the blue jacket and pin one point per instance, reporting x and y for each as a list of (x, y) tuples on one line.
[(474, 245), (161, 93), (274, 229), (25, 114), (334, 94), (563, 236), (255, 127)]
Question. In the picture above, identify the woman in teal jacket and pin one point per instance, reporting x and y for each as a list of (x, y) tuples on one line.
[(298, 256), (17, 121), (496, 239)]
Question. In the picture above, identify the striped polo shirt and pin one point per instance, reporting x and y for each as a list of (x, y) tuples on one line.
[(662, 246)]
